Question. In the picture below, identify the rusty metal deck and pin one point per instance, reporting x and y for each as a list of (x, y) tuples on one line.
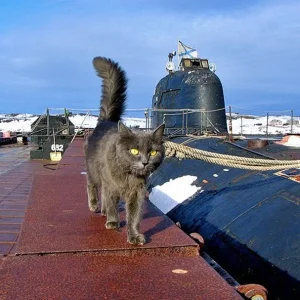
[(58, 220), (16, 176), (65, 252), (90, 276)]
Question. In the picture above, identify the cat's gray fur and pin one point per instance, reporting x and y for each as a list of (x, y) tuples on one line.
[(111, 167)]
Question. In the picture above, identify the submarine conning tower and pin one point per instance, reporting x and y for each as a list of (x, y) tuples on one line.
[(190, 100)]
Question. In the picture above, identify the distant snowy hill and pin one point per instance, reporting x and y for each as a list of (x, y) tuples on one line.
[(17, 123), (258, 125), (277, 125), (22, 122)]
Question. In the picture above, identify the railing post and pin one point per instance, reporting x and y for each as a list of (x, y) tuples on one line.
[(206, 120), (186, 123), (230, 124), (146, 118), (201, 119), (241, 125), (182, 126), (292, 121), (48, 122), (267, 127), (67, 121)]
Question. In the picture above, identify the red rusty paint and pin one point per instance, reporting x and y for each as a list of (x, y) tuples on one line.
[(297, 178), (257, 144), (72, 160), (48, 228), (198, 239), (292, 174), (83, 260), (15, 186), (90, 276), (251, 290)]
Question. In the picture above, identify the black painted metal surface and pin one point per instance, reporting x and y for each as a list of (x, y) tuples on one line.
[(196, 88), (47, 145), (250, 220)]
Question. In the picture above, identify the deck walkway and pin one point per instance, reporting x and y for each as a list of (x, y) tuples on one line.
[(16, 176), (64, 251)]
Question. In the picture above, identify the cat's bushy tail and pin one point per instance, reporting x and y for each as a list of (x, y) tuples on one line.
[(114, 87)]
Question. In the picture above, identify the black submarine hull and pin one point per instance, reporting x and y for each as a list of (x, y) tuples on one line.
[(249, 220)]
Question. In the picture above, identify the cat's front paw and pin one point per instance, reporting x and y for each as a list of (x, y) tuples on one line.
[(94, 207), (138, 239), (112, 225)]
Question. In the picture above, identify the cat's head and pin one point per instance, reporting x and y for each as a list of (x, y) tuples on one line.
[(140, 152)]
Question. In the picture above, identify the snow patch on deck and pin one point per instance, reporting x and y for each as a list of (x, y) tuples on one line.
[(173, 192)]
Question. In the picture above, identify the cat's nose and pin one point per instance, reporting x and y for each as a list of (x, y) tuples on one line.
[(144, 164)]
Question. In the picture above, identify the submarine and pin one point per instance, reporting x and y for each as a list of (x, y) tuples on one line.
[(247, 218)]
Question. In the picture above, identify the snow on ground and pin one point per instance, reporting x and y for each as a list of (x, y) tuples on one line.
[(173, 192), (18, 123), (22, 123), (278, 125), (82, 121), (91, 121), (135, 122)]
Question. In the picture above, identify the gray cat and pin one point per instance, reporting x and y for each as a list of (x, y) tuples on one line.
[(119, 160)]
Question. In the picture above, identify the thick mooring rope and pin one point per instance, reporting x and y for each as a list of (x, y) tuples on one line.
[(256, 164)]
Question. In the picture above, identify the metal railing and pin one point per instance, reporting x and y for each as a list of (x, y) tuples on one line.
[(237, 120), (268, 123)]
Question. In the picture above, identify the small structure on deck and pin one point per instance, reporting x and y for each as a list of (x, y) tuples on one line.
[(7, 137), (52, 134)]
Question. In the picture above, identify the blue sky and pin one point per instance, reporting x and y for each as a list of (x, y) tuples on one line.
[(47, 47)]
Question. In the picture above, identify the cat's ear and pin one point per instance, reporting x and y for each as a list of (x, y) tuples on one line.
[(159, 131), (123, 129)]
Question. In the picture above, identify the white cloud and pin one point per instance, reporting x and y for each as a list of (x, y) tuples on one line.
[(255, 49)]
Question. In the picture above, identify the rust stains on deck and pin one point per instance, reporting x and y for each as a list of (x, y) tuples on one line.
[(65, 252)]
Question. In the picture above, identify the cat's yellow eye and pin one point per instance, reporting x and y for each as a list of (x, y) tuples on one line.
[(153, 152), (134, 151)]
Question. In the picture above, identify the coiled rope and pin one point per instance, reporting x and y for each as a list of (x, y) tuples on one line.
[(256, 164)]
